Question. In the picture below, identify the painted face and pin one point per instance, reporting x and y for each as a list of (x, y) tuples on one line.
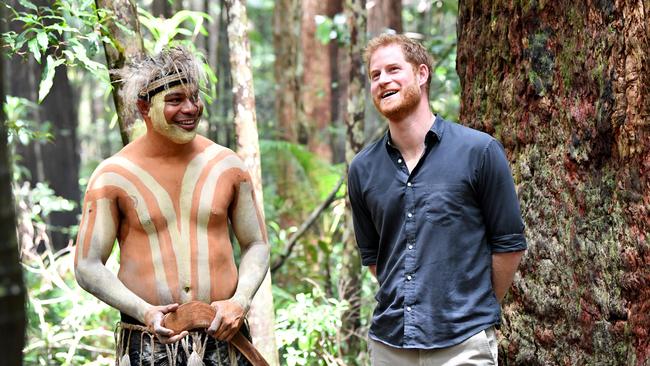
[(175, 113), (394, 84)]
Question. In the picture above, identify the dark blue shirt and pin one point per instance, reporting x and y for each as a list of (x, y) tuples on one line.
[(432, 233)]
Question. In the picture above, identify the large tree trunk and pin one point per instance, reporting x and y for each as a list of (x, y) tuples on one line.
[(128, 44), (565, 86), (12, 290), (350, 278), (261, 316)]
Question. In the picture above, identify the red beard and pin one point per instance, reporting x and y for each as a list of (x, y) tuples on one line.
[(398, 107)]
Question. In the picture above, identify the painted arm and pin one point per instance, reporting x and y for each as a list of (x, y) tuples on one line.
[(504, 266), (97, 234), (248, 226)]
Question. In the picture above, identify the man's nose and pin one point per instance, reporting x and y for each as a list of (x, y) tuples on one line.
[(190, 106), (383, 78)]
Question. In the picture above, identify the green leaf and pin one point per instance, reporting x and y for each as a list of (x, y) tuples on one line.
[(32, 44), (48, 77), (41, 38), (28, 4)]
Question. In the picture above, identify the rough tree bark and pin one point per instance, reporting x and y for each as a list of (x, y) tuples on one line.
[(350, 278), (12, 289), (261, 316), (127, 44), (565, 86)]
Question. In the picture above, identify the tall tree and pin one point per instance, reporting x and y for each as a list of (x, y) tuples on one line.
[(566, 88), (124, 31), (350, 278), (261, 315), (12, 289)]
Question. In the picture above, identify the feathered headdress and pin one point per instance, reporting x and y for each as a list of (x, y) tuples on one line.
[(144, 77)]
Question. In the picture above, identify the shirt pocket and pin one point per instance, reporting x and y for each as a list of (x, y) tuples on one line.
[(444, 204)]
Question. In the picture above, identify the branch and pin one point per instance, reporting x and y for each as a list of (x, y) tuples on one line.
[(306, 225)]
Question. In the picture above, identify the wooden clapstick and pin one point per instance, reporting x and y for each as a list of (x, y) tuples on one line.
[(199, 315)]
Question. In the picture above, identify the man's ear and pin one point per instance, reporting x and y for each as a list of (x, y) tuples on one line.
[(423, 74), (143, 107)]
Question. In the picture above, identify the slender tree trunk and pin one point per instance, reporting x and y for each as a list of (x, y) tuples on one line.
[(384, 15), (316, 81), (221, 129), (566, 88), (261, 315), (288, 101), (128, 45), (339, 71), (350, 279), (12, 289)]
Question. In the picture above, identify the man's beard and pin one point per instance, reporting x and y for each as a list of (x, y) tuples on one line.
[(409, 99)]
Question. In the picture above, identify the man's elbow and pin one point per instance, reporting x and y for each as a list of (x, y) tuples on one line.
[(83, 272)]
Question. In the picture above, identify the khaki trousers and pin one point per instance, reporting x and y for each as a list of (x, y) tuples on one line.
[(480, 349)]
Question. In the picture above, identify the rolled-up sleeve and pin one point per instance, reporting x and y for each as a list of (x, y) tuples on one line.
[(364, 230), (499, 202)]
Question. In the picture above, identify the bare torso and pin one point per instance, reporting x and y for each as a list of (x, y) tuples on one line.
[(170, 218)]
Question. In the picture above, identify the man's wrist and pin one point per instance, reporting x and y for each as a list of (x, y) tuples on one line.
[(243, 301)]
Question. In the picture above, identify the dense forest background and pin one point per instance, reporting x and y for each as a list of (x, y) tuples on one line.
[(564, 86)]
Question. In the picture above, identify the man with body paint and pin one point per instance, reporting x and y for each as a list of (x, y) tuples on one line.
[(167, 198)]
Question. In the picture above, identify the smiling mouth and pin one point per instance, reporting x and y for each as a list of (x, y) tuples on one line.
[(388, 94), (188, 124)]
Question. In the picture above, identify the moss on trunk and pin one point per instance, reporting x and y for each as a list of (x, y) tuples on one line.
[(564, 85)]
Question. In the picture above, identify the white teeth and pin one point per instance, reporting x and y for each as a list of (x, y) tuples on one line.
[(388, 93)]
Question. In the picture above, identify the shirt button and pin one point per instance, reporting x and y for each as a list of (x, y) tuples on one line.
[(408, 308), (399, 161), (409, 214), (409, 277), (410, 247), (409, 184)]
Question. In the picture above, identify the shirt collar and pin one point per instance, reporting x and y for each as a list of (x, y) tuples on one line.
[(437, 130)]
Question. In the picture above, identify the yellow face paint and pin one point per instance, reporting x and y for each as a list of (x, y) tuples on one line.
[(167, 128)]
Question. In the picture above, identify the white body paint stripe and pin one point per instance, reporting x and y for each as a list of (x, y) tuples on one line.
[(114, 179), (204, 211), (181, 247)]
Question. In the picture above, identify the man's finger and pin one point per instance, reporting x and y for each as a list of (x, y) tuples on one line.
[(177, 337), (160, 330), (169, 308), (215, 325)]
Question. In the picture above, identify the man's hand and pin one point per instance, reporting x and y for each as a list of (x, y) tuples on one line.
[(229, 318), (153, 320)]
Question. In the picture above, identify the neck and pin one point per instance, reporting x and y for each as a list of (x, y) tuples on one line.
[(157, 145), (408, 133)]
